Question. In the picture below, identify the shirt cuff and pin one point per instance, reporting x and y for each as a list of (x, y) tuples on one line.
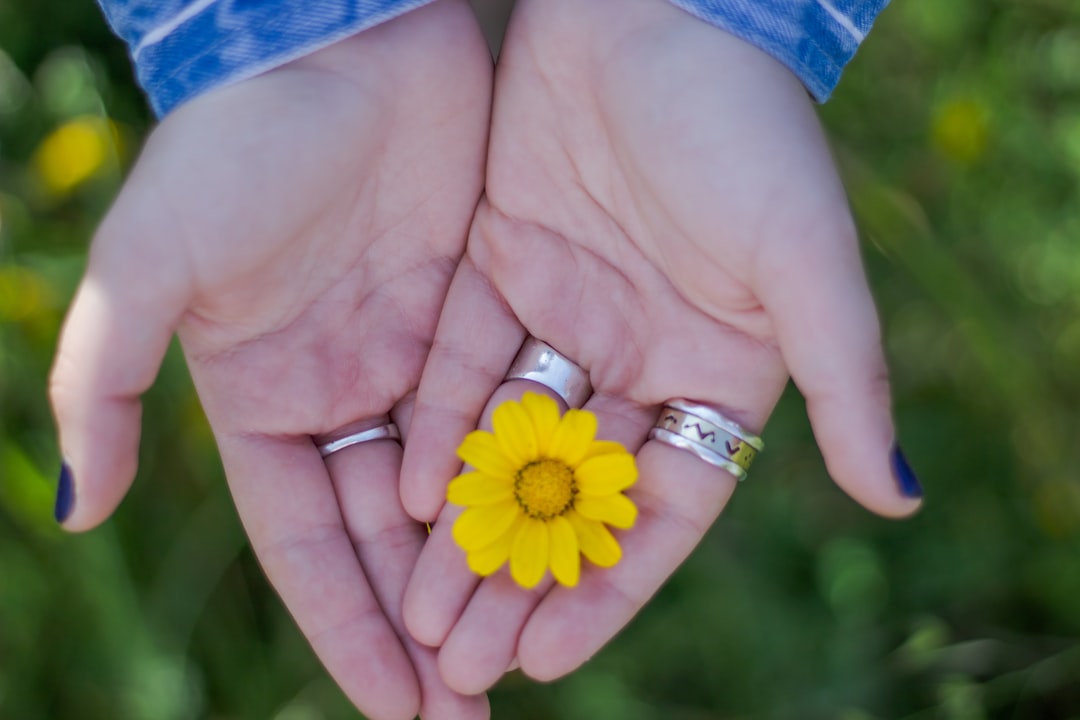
[(183, 48), (814, 38)]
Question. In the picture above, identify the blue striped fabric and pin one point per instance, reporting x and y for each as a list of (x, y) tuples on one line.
[(814, 38), (182, 48)]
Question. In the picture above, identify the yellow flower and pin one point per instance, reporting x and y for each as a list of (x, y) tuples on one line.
[(541, 492), (76, 152)]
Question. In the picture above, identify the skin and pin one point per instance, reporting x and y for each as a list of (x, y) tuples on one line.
[(298, 231), (662, 207)]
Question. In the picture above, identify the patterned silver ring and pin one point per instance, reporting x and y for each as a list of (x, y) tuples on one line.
[(539, 362), (705, 432), (389, 431)]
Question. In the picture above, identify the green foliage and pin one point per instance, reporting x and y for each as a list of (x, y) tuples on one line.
[(958, 129)]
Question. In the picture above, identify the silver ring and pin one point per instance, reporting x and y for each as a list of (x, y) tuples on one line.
[(705, 432), (539, 362), (389, 431)]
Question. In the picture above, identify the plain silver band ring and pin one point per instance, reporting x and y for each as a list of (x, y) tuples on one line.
[(541, 363), (388, 431)]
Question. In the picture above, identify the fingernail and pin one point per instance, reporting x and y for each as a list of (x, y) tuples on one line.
[(905, 476), (65, 494)]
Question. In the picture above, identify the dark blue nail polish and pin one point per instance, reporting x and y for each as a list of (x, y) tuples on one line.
[(905, 476), (65, 494)]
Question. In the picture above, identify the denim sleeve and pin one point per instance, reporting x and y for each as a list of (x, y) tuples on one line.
[(182, 48), (814, 38)]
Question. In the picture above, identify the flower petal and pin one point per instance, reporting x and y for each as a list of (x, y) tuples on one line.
[(604, 447), (476, 488), (514, 431), (596, 541), (487, 560), (616, 510), (565, 553), (572, 437), (481, 450), (481, 525), (606, 474), (544, 412), (529, 554)]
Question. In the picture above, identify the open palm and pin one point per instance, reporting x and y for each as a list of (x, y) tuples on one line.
[(299, 231), (662, 208)]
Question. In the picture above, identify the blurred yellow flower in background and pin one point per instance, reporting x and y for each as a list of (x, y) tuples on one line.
[(22, 293), (75, 152), (542, 490), (961, 130)]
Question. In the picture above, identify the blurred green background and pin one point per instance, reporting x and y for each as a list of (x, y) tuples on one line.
[(958, 129)]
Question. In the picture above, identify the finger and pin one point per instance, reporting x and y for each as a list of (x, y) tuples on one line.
[(440, 586), (388, 543), (483, 642), (678, 498), (112, 344), (442, 583), (830, 338), (291, 514), (474, 345)]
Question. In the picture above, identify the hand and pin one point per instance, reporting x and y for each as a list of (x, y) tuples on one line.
[(299, 230), (662, 208)]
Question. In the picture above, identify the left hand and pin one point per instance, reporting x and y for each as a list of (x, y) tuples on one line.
[(298, 230), (662, 208)]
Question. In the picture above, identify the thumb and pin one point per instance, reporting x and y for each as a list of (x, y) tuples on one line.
[(113, 341), (830, 338)]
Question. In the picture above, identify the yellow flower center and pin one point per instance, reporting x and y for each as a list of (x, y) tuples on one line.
[(545, 489)]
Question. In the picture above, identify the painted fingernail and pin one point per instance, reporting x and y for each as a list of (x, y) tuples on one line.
[(65, 494), (904, 475)]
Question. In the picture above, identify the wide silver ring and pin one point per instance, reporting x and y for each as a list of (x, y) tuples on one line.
[(388, 431), (704, 431), (539, 362)]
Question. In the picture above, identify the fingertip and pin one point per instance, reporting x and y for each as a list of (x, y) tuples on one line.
[(542, 656), (902, 511), (416, 476), (907, 482), (875, 475), (100, 462), (896, 509), (537, 666), (417, 621), (430, 461), (854, 428), (458, 676), (419, 501)]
